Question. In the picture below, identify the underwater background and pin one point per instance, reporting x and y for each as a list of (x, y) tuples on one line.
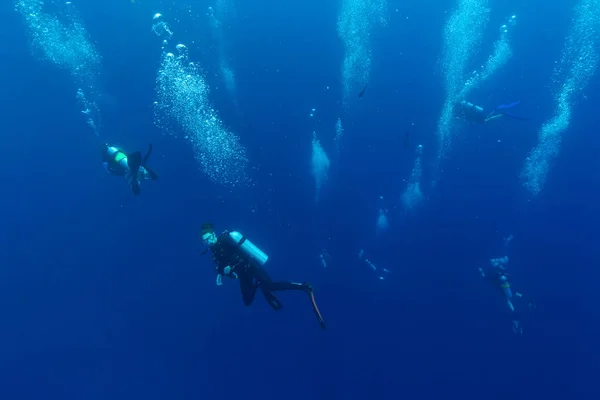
[(105, 295)]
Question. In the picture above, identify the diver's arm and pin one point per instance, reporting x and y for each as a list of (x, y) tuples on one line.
[(225, 270), (228, 271)]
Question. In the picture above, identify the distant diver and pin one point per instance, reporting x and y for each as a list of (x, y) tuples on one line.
[(499, 279), (132, 166), (324, 258), (362, 92), (238, 258), (406, 139), (475, 113)]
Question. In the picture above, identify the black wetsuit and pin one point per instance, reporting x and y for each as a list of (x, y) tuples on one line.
[(252, 276)]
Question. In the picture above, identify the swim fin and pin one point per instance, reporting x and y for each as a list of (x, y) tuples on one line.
[(311, 295), (134, 162), (508, 113), (147, 156), (514, 116), (272, 300), (509, 105), (153, 175)]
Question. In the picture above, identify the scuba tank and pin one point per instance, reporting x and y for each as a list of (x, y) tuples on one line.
[(472, 112), (129, 164), (470, 106), (248, 248), (505, 286), (119, 156)]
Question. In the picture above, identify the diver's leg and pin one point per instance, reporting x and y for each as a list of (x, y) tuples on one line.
[(268, 287), (134, 162), (493, 115), (304, 287), (248, 288), (277, 286), (264, 282), (147, 156), (267, 283), (259, 273), (510, 305), (271, 299)]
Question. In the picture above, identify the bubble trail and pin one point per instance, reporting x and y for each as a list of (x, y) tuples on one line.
[(355, 24), (182, 102), (578, 64), (320, 166), (61, 39)]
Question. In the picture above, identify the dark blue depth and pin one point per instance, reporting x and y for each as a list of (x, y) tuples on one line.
[(105, 296)]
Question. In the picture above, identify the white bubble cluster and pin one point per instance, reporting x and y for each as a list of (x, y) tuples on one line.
[(578, 64), (463, 35), (356, 21), (89, 109), (228, 78), (412, 195), (182, 100), (218, 16), (320, 165), (339, 132), (160, 27), (62, 40), (382, 224)]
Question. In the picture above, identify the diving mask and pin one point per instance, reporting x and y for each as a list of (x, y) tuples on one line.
[(209, 238)]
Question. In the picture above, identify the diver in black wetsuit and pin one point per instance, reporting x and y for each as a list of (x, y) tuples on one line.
[(499, 278), (238, 258), (132, 166), (474, 113)]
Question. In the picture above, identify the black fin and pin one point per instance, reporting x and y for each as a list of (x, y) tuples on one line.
[(313, 302), (135, 186), (153, 175), (147, 156), (272, 300), (275, 303), (134, 162)]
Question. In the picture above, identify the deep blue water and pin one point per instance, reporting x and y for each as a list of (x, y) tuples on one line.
[(105, 295)]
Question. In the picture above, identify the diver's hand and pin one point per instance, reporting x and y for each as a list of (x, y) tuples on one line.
[(219, 280), (227, 270)]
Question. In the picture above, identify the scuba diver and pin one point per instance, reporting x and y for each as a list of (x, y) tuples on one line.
[(499, 278), (238, 258), (132, 166), (475, 113)]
